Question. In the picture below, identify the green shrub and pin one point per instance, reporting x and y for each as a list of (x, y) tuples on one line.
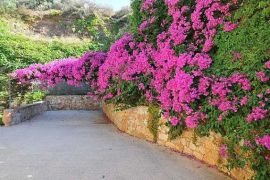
[(32, 97), (1, 122), (250, 39), (131, 95), (18, 51), (153, 124), (161, 13)]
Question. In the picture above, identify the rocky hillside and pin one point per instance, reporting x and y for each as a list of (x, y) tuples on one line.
[(68, 20)]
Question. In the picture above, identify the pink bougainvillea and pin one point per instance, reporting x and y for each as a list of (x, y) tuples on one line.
[(147, 4), (174, 121), (223, 151), (192, 121), (175, 87), (262, 76), (267, 64), (265, 141), (228, 26), (236, 55), (257, 114), (173, 72), (71, 70), (244, 101)]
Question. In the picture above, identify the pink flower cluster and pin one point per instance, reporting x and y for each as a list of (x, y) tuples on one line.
[(223, 151), (262, 76), (126, 61), (50, 74), (189, 21), (72, 70), (192, 121), (257, 114), (228, 26), (267, 64), (265, 141), (222, 89), (147, 4)]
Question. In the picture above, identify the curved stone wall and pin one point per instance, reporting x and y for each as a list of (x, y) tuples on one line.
[(23, 113), (134, 121)]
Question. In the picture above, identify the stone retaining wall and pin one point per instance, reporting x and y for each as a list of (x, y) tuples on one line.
[(71, 102), (134, 121), (23, 113)]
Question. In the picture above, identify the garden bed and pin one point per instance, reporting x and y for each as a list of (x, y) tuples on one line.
[(135, 121)]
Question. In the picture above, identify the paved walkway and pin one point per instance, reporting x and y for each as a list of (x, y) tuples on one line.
[(82, 145)]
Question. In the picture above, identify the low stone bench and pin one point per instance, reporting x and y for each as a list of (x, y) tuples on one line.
[(23, 113), (72, 102)]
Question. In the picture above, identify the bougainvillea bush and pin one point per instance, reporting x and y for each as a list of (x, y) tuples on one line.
[(204, 63)]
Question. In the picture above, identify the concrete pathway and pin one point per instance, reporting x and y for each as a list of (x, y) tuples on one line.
[(83, 145)]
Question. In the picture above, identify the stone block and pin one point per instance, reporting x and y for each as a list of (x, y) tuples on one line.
[(192, 146), (7, 117), (188, 151), (198, 155), (162, 137), (201, 149), (211, 157), (179, 148)]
